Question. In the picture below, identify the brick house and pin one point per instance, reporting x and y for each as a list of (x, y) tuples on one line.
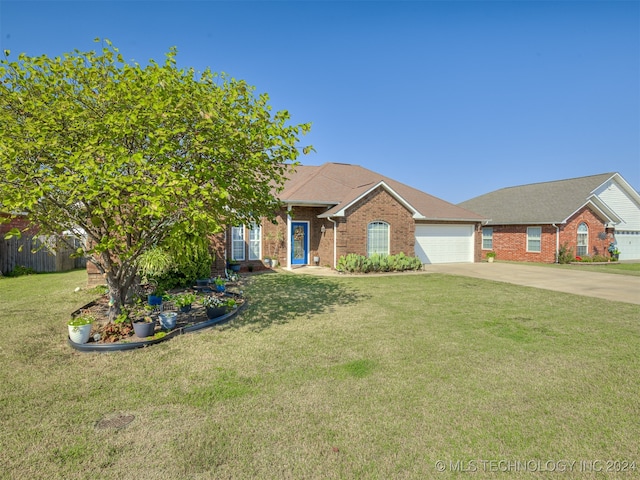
[(531, 222), (335, 209)]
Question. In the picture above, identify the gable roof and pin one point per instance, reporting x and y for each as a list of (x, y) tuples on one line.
[(337, 186), (543, 203)]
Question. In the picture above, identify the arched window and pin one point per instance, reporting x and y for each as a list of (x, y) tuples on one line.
[(378, 238), (583, 240)]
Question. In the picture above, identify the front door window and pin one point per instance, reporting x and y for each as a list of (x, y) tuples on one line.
[(299, 243)]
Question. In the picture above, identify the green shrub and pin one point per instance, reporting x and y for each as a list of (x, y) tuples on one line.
[(565, 254), (353, 263), (20, 270)]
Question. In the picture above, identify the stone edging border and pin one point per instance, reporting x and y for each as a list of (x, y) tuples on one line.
[(594, 263), (117, 347)]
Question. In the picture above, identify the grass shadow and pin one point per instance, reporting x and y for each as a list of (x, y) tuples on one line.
[(278, 298)]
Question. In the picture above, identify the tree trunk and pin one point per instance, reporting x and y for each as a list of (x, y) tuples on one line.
[(120, 281)]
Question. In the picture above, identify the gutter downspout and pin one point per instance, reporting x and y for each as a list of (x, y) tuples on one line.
[(557, 241), (335, 240)]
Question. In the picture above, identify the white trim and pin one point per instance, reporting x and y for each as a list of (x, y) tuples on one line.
[(253, 228), (579, 234), (624, 184), (602, 208), (482, 238), (379, 222), (289, 207), (527, 240), (335, 241), (394, 194), (557, 241), (244, 244)]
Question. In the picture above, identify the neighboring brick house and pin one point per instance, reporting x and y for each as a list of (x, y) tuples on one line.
[(531, 222), (335, 209)]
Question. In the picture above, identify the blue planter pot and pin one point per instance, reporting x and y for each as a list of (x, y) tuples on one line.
[(220, 288), (154, 300)]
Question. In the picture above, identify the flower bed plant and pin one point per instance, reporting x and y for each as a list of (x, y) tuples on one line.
[(353, 263)]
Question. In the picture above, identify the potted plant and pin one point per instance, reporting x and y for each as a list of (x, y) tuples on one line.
[(219, 282), (155, 297), (491, 256), (144, 327), (184, 301), (613, 250), (233, 265), (215, 306), (230, 303), (80, 328), (168, 320), (152, 264), (233, 276), (267, 260)]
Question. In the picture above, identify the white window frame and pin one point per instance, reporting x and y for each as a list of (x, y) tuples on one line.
[(487, 237), (370, 240), (531, 238), (235, 241), (255, 240), (582, 248)]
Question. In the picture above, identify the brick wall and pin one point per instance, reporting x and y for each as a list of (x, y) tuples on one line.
[(20, 222), (378, 205), (598, 237), (510, 241), (94, 277), (320, 243), (350, 231)]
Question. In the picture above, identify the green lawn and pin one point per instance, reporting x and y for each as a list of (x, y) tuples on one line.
[(345, 377)]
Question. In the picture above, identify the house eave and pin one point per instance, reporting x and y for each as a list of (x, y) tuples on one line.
[(309, 203), (601, 209), (528, 222), (383, 184), (447, 219)]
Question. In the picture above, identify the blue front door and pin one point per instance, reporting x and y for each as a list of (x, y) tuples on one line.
[(299, 248)]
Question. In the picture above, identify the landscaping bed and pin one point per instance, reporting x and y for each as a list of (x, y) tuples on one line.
[(109, 336)]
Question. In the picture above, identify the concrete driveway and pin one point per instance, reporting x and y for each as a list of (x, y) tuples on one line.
[(579, 281)]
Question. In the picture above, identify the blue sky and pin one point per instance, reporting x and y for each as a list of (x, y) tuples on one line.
[(454, 98)]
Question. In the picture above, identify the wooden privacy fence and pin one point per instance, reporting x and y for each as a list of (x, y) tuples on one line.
[(54, 256)]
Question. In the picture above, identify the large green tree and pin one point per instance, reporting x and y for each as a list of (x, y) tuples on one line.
[(129, 155)]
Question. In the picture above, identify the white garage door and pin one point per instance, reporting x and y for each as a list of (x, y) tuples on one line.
[(444, 243), (628, 244)]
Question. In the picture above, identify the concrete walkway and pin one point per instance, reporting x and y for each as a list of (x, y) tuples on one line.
[(579, 281)]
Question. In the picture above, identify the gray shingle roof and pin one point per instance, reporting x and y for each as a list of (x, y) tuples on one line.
[(541, 203)]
